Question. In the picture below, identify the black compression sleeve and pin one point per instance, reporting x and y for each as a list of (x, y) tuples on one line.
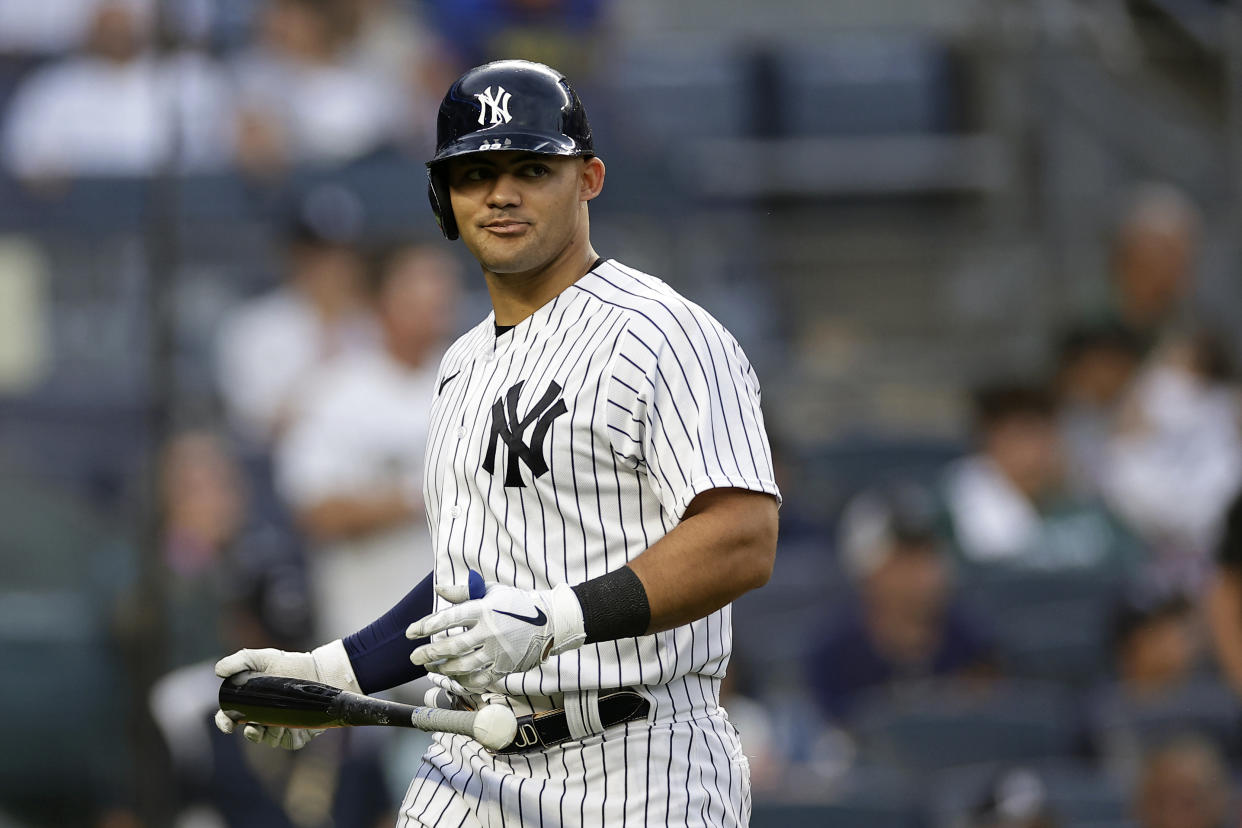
[(380, 652), (614, 606)]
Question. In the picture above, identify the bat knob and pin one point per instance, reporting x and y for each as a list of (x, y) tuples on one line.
[(238, 679), (495, 726)]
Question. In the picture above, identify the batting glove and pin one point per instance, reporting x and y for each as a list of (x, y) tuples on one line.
[(328, 664), (508, 630)]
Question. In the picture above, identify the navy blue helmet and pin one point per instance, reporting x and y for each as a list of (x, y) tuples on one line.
[(505, 105)]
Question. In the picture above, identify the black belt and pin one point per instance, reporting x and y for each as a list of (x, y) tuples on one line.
[(543, 730)]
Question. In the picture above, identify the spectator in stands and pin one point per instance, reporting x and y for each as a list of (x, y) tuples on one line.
[(1176, 459), (1096, 365), (386, 39), (304, 100), (117, 109), (268, 347), (1009, 504), (1224, 597), (47, 28), (1153, 262), (1156, 644), (351, 467), (209, 530), (337, 780), (1183, 784), (904, 623), (1159, 690)]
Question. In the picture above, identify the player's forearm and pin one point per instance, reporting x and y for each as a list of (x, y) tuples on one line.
[(380, 653), (724, 547), (1224, 615)]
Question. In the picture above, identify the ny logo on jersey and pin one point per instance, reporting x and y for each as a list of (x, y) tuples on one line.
[(499, 104), (510, 429)]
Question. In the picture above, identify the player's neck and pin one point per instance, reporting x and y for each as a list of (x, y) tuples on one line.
[(515, 296)]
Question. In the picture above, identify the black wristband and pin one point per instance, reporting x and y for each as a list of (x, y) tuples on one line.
[(614, 606)]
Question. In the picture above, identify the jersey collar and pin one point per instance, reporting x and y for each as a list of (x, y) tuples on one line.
[(531, 329)]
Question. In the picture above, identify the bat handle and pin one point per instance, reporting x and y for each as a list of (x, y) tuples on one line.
[(493, 727), (445, 721)]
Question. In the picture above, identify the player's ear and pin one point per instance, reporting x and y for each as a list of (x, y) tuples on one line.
[(592, 181)]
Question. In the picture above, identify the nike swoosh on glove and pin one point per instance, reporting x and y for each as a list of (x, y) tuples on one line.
[(508, 630)]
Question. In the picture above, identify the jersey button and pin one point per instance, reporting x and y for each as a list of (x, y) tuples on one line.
[(455, 512), (461, 432)]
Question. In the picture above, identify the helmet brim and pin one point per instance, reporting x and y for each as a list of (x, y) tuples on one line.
[(485, 141)]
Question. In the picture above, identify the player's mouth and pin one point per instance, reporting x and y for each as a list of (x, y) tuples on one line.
[(506, 227)]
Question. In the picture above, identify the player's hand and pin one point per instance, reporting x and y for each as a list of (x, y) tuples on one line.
[(508, 630), (328, 664)]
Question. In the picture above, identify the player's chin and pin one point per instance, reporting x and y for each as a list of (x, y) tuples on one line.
[(507, 257)]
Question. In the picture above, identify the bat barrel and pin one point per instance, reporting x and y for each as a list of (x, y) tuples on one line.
[(277, 700)]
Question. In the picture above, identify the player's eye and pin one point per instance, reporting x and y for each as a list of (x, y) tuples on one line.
[(535, 170), (475, 174)]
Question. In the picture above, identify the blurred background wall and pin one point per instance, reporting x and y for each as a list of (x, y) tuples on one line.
[(984, 256)]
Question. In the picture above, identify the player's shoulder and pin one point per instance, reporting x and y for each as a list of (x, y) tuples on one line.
[(651, 305)]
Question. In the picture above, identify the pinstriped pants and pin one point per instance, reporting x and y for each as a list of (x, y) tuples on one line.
[(690, 773)]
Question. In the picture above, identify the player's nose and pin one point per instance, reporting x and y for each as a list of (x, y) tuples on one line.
[(505, 191)]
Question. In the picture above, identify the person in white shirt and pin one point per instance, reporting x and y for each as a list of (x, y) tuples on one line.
[(305, 100), (268, 347), (351, 467), (1175, 460), (1008, 503), (49, 27), (119, 110)]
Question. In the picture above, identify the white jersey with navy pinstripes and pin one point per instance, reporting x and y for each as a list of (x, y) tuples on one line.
[(565, 447)]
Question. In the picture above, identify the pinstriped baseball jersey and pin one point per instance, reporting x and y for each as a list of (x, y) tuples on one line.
[(565, 447)]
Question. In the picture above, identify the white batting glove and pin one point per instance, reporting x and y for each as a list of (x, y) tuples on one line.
[(328, 664), (508, 630)]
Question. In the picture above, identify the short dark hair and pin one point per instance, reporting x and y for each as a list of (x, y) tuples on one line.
[(1139, 609), (996, 402), (1110, 335)]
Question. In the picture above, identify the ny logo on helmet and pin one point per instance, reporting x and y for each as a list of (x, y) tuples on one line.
[(499, 104)]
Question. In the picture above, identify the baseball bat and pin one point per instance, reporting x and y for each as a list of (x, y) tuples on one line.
[(254, 698)]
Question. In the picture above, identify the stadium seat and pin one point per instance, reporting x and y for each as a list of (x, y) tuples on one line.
[(1121, 721), (934, 725), (867, 797), (877, 84), (1048, 626), (675, 88)]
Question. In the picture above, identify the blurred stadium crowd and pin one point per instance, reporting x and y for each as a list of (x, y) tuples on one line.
[(992, 291)]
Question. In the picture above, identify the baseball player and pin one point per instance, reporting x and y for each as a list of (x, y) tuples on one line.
[(597, 453)]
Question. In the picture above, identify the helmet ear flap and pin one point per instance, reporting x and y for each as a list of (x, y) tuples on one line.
[(441, 205)]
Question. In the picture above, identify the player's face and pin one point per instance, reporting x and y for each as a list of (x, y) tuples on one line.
[(517, 212)]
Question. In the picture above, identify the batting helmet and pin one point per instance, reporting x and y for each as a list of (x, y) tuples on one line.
[(505, 105)]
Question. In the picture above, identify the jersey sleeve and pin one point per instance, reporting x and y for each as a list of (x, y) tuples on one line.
[(684, 406)]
